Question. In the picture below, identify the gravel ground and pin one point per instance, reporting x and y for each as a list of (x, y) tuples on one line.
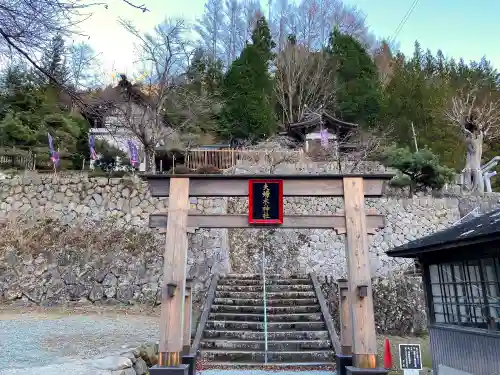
[(34, 340), (50, 343)]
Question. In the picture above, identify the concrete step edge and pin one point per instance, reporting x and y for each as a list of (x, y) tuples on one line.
[(269, 307), (271, 364), (269, 351), (275, 315), (262, 341), (270, 324), (281, 332)]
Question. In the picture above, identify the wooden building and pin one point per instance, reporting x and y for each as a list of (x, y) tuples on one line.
[(308, 131), (461, 277)]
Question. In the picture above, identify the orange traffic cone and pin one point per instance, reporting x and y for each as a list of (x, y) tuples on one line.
[(387, 354)]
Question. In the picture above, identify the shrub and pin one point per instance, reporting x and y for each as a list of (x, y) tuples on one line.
[(418, 170), (208, 169), (398, 303), (43, 234), (180, 169)]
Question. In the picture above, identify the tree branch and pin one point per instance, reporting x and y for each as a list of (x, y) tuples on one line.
[(140, 7)]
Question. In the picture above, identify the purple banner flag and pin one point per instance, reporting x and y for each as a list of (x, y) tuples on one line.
[(93, 154), (133, 153), (54, 155), (324, 138)]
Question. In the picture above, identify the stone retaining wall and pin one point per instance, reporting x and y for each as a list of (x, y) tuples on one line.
[(113, 274), (323, 251)]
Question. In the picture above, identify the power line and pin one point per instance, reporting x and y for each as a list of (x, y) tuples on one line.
[(404, 20)]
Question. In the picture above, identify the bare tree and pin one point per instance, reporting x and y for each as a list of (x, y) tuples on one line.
[(142, 109), (312, 21), (83, 66), (324, 27), (27, 27), (307, 17), (367, 145), (302, 81), (155, 112), (350, 20), (251, 13), (280, 23), (477, 114), (232, 30), (384, 60), (209, 27)]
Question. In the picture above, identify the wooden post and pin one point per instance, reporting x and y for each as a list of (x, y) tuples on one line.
[(174, 274), (359, 278), (188, 305), (345, 318)]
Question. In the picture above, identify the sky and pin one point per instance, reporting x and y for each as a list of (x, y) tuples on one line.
[(460, 28)]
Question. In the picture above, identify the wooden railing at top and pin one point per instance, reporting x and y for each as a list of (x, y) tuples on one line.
[(227, 158)]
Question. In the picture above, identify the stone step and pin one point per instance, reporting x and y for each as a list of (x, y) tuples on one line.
[(260, 302), (270, 309), (313, 317), (269, 295), (272, 345), (272, 335), (269, 288), (232, 325), (293, 295), (246, 282), (309, 317), (318, 366), (239, 276), (239, 355), (259, 276), (239, 288)]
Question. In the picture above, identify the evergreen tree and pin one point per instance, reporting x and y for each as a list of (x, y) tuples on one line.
[(205, 75), (28, 112), (262, 40), (54, 61), (357, 83), (248, 91), (417, 95), (418, 170)]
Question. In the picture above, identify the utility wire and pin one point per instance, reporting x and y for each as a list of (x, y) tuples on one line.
[(404, 20)]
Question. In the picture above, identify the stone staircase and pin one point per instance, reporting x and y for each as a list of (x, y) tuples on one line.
[(297, 334)]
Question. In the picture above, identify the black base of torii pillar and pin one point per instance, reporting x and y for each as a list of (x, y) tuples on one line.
[(181, 369)]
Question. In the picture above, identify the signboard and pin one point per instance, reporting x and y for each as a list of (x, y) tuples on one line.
[(410, 358), (265, 202)]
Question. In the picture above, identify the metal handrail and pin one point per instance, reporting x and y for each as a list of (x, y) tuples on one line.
[(202, 322), (265, 302)]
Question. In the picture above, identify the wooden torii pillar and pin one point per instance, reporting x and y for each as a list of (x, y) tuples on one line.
[(354, 222)]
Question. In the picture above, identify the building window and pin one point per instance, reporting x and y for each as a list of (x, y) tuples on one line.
[(466, 293)]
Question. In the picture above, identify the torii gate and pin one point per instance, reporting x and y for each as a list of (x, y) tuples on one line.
[(354, 222)]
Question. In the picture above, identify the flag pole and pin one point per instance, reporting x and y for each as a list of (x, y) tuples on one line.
[(54, 161)]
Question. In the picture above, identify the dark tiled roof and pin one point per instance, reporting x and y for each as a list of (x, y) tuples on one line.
[(480, 229)]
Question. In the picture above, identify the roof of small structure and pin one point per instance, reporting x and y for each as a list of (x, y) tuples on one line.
[(312, 120), (485, 228)]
